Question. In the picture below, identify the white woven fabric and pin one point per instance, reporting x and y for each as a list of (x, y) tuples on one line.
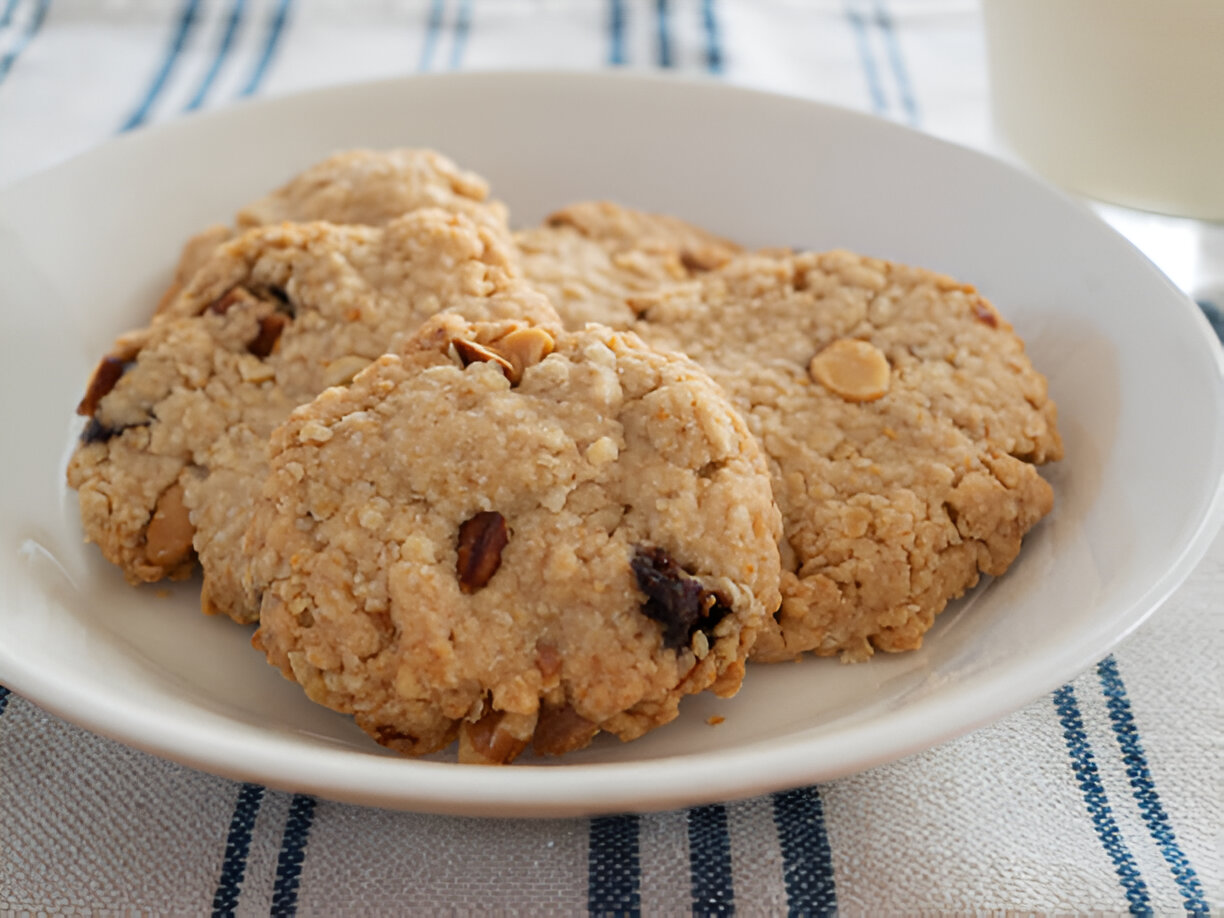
[(1104, 798)]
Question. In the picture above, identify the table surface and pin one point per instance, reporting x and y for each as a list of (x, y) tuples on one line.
[(1104, 797)]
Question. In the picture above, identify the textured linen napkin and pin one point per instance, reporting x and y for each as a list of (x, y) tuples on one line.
[(1105, 797)]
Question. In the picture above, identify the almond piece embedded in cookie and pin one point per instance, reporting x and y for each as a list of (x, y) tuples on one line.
[(524, 347), (855, 370), (469, 568), (341, 371), (168, 538), (471, 352), (513, 352), (495, 739)]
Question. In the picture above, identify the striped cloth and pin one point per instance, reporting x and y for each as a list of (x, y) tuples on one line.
[(1102, 798)]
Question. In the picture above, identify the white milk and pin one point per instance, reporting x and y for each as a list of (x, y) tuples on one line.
[(1122, 100)]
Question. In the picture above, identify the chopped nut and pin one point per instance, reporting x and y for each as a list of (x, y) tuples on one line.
[(513, 353), (314, 432), (985, 314), (701, 645), (602, 451), (270, 328), (168, 538), (253, 370), (470, 352), (856, 370), (701, 260), (100, 384), (561, 730), (481, 540), (495, 739), (524, 347), (340, 372), (230, 298), (548, 662)]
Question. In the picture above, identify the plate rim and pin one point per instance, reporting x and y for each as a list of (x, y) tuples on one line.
[(584, 789)]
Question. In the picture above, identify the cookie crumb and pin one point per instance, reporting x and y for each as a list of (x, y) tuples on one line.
[(714, 720)]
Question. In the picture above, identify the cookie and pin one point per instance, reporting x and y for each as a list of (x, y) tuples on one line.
[(180, 413), (900, 415), (365, 187), (514, 537), (591, 259)]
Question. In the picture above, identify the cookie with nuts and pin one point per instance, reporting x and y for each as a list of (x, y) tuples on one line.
[(179, 414), (366, 187), (514, 537), (901, 416)]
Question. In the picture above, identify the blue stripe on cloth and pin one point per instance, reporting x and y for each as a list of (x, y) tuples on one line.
[(1083, 765), (616, 33), (807, 859), (237, 847), (4, 697), (709, 22), (1214, 316), (710, 861), (1144, 787), (188, 17), (614, 872), (884, 21), (663, 20), (874, 87), (276, 28), (292, 854), (463, 25), (6, 18), (32, 27), (432, 27), (223, 50)]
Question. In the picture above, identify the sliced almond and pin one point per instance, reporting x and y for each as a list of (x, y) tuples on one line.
[(495, 739), (340, 372), (856, 370), (168, 538), (562, 729), (524, 347), (470, 352)]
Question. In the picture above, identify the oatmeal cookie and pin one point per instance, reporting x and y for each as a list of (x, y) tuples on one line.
[(514, 537), (591, 259), (365, 187), (180, 413), (899, 412)]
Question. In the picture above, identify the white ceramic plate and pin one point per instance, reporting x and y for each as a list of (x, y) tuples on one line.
[(86, 247)]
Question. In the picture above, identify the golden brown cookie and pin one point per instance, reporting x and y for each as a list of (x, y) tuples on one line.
[(901, 417), (180, 413), (365, 187), (514, 536)]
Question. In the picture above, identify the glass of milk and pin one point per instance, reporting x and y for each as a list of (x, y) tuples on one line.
[(1122, 100)]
